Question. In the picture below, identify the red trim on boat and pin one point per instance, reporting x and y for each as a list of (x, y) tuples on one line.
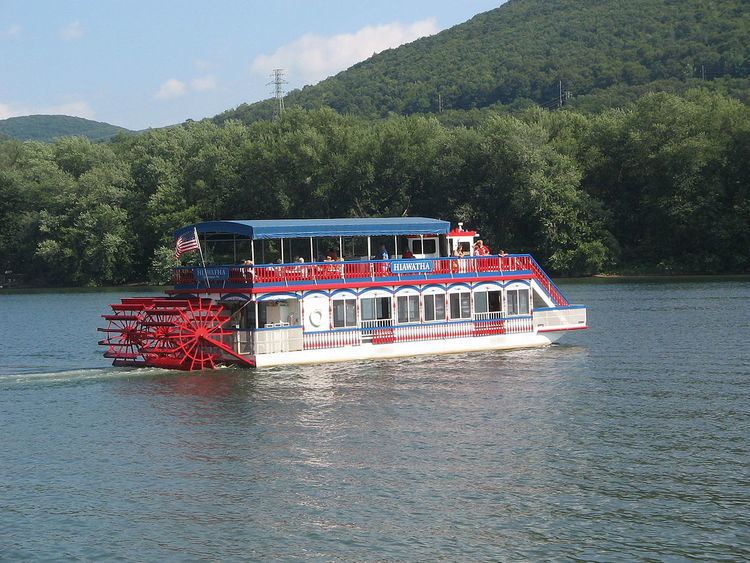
[(562, 329), (347, 285)]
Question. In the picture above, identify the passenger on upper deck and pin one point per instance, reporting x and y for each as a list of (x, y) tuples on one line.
[(247, 270), (480, 249), (383, 253), (407, 253)]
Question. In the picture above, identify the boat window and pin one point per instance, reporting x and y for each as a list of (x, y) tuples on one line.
[(408, 308), (434, 307), (480, 302), (537, 300), (460, 305), (375, 308), (428, 248), (518, 301), (344, 313), (283, 312), (488, 302)]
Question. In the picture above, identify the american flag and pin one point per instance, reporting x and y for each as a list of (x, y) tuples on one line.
[(186, 243)]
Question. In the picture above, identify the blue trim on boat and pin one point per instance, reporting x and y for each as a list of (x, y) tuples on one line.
[(258, 229), (268, 296)]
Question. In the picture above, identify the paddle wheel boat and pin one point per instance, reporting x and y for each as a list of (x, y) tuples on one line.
[(285, 294)]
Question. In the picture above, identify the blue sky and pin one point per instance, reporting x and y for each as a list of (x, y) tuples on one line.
[(142, 64)]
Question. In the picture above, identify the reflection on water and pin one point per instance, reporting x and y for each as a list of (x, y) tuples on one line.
[(625, 441)]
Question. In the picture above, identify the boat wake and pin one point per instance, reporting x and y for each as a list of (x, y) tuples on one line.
[(78, 375)]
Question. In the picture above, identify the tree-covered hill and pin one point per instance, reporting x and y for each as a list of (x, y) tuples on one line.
[(49, 127), (605, 53)]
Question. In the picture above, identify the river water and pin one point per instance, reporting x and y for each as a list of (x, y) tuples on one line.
[(627, 441)]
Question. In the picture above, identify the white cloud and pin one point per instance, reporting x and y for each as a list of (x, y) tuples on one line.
[(11, 31), (76, 109), (203, 83), (311, 57), (170, 89), (73, 30)]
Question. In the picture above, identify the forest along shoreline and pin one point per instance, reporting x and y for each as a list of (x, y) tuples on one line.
[(660, 186)]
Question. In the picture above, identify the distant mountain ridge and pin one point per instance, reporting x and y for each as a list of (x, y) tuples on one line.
[(49, 127), (603, 52)]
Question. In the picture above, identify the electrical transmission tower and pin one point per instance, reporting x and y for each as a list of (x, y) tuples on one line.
[(278, 90)]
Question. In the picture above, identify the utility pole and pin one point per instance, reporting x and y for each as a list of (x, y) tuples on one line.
[(440, 103), (278, 90), (559, 99)]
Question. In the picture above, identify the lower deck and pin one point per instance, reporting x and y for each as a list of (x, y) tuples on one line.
[(343, 324)]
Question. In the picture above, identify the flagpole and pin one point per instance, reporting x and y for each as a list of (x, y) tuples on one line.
[(205, 272)]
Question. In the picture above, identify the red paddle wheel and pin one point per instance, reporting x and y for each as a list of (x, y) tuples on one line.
[(158, 327), (169, 333), (124, 332), (198, 334)]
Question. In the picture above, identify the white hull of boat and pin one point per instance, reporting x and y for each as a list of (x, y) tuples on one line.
[(406, 349)]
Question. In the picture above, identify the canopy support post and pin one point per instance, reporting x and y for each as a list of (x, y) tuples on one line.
[(369, 249), (341, 247), (395, 246), (252, 251), (312, 253), (282, 251)]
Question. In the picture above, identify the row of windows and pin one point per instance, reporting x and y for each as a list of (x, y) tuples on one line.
[(487, 304)]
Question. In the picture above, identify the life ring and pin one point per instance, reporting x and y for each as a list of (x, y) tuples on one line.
[(315, 318)]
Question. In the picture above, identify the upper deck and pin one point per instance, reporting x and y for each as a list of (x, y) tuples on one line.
[(432, 254), (311, 275)]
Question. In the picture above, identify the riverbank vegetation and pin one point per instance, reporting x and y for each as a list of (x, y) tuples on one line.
[(660, 186)]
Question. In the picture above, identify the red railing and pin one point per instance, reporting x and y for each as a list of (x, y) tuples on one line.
[(285, 274), (542, 278)]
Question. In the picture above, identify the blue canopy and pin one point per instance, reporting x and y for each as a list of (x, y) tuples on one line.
[(304, 228)]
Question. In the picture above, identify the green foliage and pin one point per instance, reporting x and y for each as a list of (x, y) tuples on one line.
[(47, 128), (162, 264), (667, 170), (607, 54), (660, 185)]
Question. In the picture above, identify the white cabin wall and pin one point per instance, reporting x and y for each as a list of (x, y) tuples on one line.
[(316, 312)]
